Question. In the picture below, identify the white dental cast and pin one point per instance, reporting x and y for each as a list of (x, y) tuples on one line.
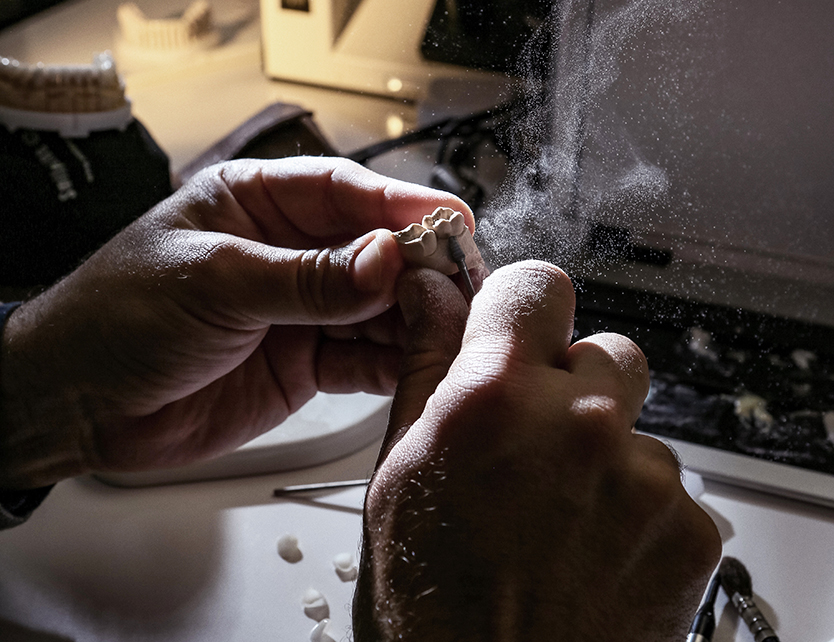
[(427, 244), (72, 100), (61, 88), (192, 30)]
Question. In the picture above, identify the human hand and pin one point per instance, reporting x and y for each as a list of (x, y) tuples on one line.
[(210, 320), (512, 501)]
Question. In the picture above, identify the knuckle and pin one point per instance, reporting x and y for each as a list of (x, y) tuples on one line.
[(597, 423), (314, 268), (323, 285), (487, 396), (209, 180), (211, 260)]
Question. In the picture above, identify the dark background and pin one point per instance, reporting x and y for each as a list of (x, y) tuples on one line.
[(12, 11)]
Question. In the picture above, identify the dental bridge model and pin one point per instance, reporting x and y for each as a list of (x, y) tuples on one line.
[(154, 42), (444, 243), (70, 99)]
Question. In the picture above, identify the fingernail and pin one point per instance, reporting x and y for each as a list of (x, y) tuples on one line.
[(367, 268)]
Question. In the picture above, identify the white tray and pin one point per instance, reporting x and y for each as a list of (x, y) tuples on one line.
[(328, 427), (752, 472)]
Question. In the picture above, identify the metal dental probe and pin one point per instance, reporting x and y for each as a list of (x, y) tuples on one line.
[(304, 488), (459, 257)]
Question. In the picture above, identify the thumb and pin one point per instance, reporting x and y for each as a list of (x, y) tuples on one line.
[(344, 284), (338, 285), (435, 314)]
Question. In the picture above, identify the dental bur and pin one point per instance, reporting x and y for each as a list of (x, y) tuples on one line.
[(459, 257)]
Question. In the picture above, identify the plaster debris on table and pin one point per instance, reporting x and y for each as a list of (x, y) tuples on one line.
[(433, 242), (322, 632), (288, 549), (700, 342), (754, 409), (828, 422), (315, 605), (346, 568), (803, 358)]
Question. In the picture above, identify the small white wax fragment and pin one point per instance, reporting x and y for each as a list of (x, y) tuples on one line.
[(700, 342), (288, 549), (315, 605), (803, 358), (345, 566), (753, 407), (802, 389), (828, 422), (321, 632), (737, 356)]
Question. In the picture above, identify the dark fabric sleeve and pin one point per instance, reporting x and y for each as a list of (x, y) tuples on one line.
[(17, 505)]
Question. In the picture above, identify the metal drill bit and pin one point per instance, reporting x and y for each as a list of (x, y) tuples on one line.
[(304, 488), (459, 257)]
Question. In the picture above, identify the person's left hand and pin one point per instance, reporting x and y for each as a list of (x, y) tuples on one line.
[(210, 320)]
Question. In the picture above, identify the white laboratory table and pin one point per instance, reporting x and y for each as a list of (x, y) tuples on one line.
[(197, 562)]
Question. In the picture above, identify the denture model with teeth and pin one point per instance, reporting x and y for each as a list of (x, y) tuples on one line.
[(70, 99), (143, 41), (432, 245)]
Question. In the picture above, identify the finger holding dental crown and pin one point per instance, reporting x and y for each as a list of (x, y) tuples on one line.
[(433, 242)]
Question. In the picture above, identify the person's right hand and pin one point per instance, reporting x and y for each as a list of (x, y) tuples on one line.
[(512, 500)]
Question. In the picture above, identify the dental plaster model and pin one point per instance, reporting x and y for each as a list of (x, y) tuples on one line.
[(144, 40), (443, 242), (288, 549), (315, 605), (345, 566), (70, 99)]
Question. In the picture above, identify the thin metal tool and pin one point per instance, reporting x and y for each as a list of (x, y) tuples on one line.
[(459, 257), (303, 488)]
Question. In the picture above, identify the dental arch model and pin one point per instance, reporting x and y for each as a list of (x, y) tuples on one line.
[(148, 38), (443, 242), (71, 99)]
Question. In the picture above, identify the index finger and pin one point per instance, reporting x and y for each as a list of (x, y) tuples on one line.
[(328, 200)]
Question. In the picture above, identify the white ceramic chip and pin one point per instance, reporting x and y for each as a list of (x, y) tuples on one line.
[(346, 568), (315, 605), (288, 549)]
